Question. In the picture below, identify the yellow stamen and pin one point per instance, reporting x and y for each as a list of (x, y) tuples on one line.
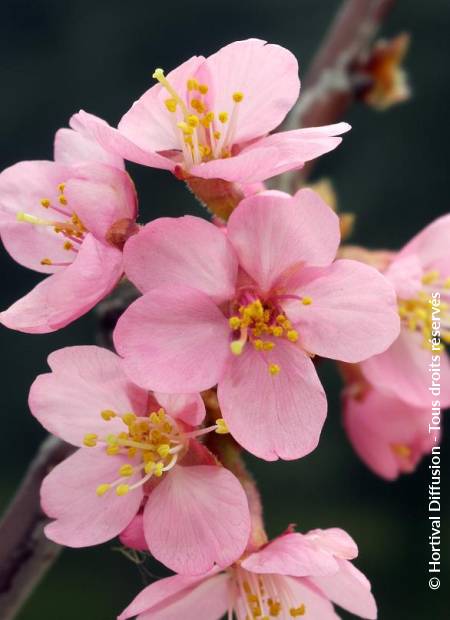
[(238, 97), (126, 470), (46, 261), (62, 199), (90, 440), (68, 245), (102, 488), (274, 369), (292, 335), (122, 489), (45, 202), (203, 89), (223, 117), (307, 301), (158, 472), (107, 414), (129, 418), (222, 428), (171, 105), (163, 450), (159, 75), (237, 347)]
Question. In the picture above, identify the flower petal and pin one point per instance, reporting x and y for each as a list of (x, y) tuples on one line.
[(64, 296), (187, 251), (244, 167), (273, 416), (431, 246), (22, 187), (353, 314), (133, 535), (305, 593), (266, 74), (115, 142), (73, 148), (84, 381), (197, 517), (274, 234), (101, 195), (295, 148), (68, 495), (291, 554), (334, 541), (403, 371), (349, 589), (190, 408), (174, 339), (181, 596), (148, 123)]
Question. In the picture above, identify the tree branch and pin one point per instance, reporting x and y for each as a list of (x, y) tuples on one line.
[(25, 553), (329, 86)]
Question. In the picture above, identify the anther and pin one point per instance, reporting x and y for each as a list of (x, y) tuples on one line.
[(307, 301), (107, 414), (122, 489), (45, 202), (126, 470), (62, 200), (223, 117), (102, 488), (222, 428), (171, 105), (46, 261), (90, 440), (238, 97), (292, 335), (274, 369)]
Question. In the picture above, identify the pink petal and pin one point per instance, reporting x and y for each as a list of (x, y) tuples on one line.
[(295, 148), (246, 167), (181, 596), (273, 416), (115, 142), (291, 554), (377, 423), (190, 408), (405, 274), (334, 541), (148, 123), (64, 296), (403, 371), (174, 339), (22, 187), (266, 74), (431, 246), (273, 234), (84, 381), (133, 535), (68, 495), (196, 517), (72, 148), (353, 313), (101, 195), (187, 251), (349, 589)]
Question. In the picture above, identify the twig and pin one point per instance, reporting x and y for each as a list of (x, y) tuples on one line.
[(25, 553), (329, 86)]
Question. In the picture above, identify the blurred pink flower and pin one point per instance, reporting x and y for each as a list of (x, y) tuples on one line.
[(68, 218), (195, 512), (210, 117), (420, 273), (293, 576), (390, 435), (247, 309)]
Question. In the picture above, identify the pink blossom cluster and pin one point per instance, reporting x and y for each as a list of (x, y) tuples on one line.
[(232, 312)]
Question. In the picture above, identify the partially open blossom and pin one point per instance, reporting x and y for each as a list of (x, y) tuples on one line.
[(247, 310), (209, 118), (390, 435), (294, 576), (138, 455), (420, 273), (68, 218)]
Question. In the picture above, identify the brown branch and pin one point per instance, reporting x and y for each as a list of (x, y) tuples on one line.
[(25, 552), (329, 86)]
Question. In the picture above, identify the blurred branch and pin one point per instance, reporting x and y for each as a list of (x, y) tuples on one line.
[(329, 86), (25, 553)]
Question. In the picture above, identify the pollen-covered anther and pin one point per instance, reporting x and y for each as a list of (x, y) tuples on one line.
[(171, 105), (274, 369), (45, 202), (297, 611), (102, 489), (90, 440), (306, 300), (238, 97), (122, 489), (108, 414), (223, 117), (222, 428)]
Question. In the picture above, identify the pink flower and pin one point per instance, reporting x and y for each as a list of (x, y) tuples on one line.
[(294, 576), (68, 218), (420, 273), (195, 513), (247, 310), (390, 435), (210, 117)]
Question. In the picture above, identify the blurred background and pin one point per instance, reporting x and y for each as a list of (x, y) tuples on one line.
[(57, 57)]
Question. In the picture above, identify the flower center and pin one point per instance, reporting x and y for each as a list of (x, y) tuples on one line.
[(154, 443), (204, 134), (263, 597), (427, 312), (261, 324), (70, 228)]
